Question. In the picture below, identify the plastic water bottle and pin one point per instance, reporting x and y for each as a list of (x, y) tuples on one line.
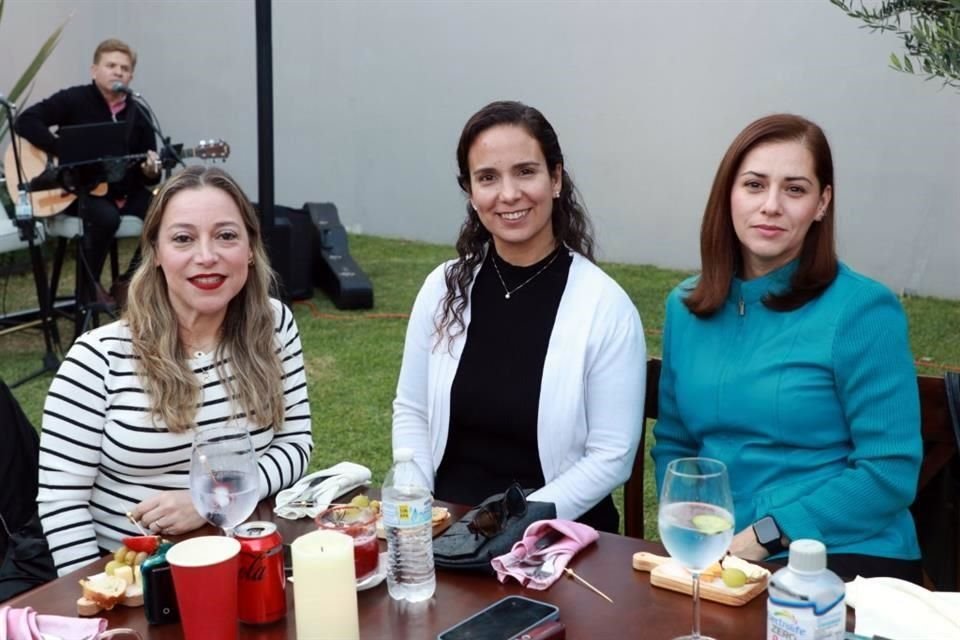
[(806, 599), (24, 209), (407, 506)]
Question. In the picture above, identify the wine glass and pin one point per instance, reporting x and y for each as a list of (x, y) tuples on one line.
[(224, 477), (696, 519)]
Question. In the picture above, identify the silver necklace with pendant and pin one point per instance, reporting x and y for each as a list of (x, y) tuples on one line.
[(205, 372), (509, 292)]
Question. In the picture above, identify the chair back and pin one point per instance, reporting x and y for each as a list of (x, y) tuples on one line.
[(936, 509), (633, 489)]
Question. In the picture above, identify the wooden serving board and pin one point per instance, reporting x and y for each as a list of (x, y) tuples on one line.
[(668, 574)]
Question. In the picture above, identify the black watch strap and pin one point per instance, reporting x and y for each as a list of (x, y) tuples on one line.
[(768, 535)]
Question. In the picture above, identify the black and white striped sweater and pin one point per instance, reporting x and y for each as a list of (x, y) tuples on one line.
[(100, 454)]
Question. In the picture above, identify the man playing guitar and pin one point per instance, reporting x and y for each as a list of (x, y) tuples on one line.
[(113, 63)]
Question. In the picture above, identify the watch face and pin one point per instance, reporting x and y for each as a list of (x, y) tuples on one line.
[(766, 530)]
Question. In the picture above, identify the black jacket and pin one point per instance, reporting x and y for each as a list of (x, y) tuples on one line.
[(24, 557), (84, 104)]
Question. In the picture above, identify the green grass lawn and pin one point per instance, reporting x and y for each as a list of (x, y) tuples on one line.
[(353, 357)]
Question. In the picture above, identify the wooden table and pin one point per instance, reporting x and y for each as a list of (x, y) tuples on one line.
[(639, 610)]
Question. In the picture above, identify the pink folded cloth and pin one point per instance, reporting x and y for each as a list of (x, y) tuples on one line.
[(27, 624), (523, 559)]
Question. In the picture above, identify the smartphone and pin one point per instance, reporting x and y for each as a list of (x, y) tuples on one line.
[(503, 620)]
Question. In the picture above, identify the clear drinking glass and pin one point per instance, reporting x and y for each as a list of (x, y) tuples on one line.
[(360, 523), (224, 478), (696, 519)]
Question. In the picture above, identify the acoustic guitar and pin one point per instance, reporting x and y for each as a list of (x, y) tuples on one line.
[(49, 202)]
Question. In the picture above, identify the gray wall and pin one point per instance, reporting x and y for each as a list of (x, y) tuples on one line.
[(371, 96)]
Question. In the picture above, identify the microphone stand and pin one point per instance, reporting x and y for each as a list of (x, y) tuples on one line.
[(26, 225), (169, 157), (79, 179)]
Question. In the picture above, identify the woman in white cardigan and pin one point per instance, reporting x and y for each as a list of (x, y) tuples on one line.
[(523, 361)]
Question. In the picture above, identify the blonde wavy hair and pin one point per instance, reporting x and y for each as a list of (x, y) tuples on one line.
[(247, 334)]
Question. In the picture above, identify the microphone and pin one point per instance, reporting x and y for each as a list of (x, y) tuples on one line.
[(7, 103), (119, 87)]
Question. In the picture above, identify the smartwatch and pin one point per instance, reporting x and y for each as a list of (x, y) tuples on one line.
[(769, 535)]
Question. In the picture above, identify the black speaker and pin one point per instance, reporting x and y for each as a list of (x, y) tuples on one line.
[(334, 269), (290, 247)]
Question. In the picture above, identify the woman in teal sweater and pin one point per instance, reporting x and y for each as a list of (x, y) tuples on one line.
[(791, 368)]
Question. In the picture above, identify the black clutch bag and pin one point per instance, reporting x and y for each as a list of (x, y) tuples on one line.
[(489, 530)]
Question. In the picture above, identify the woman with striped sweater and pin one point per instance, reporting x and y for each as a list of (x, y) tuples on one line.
[(200, 343)]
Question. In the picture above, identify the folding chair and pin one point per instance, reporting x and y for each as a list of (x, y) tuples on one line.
[(66, 228)]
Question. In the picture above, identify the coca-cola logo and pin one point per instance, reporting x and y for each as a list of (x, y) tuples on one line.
[(256, 569)]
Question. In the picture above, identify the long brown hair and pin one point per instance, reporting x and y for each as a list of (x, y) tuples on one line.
[(720, 254), (248, 335), (571, 226)]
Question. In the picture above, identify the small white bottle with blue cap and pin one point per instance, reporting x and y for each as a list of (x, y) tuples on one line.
[(806, 600)]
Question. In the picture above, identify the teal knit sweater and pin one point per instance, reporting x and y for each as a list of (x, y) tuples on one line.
[(815, 411)]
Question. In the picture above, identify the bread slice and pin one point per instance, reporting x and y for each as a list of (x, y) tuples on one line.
[(133, 596), (86, 607), (104, 590), (101, 589)]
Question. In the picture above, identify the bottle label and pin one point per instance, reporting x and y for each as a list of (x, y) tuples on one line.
[(23, 210), (800, 621), (408, 513)]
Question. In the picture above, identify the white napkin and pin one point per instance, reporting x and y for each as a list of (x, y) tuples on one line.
[(339, 479), (901, 610)]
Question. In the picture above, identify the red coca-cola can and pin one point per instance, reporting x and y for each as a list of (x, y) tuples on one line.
[(261, 591)]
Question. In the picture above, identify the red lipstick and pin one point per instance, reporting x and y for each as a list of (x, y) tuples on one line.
[(207, 282)]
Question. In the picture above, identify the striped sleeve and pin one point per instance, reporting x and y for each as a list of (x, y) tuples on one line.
[(286, 459), (70, 449)]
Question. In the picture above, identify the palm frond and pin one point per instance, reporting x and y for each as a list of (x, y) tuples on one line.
[(27, 77)]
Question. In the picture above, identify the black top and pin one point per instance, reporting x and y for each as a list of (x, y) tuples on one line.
[(84, 104), (495, 395)]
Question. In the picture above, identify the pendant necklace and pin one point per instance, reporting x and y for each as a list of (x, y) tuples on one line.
[(509, 292), (205, 372)]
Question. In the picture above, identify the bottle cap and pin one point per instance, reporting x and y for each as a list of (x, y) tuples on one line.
[(808, 556), (403, 454)]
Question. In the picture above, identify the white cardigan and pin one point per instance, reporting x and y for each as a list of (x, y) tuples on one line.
[(591, 395)]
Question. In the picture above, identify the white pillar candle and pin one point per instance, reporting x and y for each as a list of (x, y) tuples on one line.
[(324, 588)]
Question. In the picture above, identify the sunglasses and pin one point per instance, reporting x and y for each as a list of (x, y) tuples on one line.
[(490, 518)]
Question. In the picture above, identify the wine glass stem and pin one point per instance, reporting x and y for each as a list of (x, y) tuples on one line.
[(696, 605), (228, 531)]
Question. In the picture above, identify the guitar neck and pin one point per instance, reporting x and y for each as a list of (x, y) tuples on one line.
[(130, 157)]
